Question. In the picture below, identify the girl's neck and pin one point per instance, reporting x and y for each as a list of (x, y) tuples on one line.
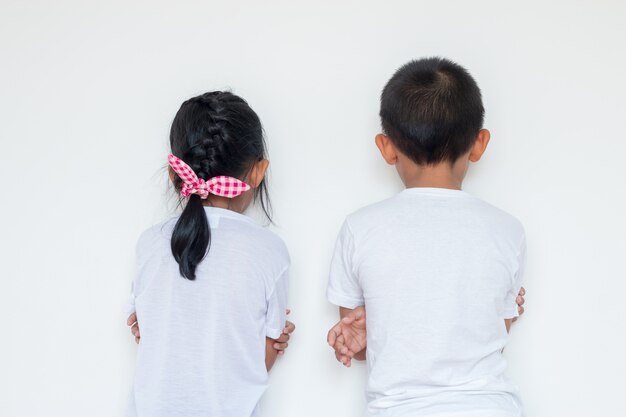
[(235, 204)]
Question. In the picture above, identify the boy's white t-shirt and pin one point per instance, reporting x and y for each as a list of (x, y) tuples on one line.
[(202, 348), (438, 272)]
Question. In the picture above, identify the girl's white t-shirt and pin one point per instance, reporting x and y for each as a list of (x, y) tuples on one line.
[(202, 348), (438, 272)]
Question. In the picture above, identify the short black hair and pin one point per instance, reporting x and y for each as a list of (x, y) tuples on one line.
[(432, 110)]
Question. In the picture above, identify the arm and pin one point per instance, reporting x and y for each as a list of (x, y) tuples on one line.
[(520, 300), (276, 347), (273, 347), (270, 353), (507, 323)]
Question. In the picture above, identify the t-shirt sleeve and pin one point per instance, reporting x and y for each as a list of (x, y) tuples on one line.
[(277, 306), (140, 262), (343, 286), (129, 307), (510, 306)]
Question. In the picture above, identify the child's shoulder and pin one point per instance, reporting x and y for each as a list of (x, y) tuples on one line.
[(370, 214), (270, 240), (496, 220), (249, 235), (155, 234), (501, 217), (392, 210)]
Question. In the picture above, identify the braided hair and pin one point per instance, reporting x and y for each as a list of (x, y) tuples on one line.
[(216, 133)]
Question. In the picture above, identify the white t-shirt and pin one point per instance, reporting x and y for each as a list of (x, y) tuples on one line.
[(202, 349), (438, 272)]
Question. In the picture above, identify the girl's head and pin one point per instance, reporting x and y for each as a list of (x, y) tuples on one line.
[(216, 134)]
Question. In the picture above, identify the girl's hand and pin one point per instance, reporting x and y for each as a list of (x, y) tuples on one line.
[(520, 302), (134, 326), (282, 342)]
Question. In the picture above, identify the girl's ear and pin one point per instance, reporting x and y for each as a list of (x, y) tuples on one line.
[(171, 174), (387, 149), (258, 173)]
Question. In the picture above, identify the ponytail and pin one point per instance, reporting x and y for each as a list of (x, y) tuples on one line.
[(191, 237)]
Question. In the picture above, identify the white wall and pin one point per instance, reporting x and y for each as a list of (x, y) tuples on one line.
[(87, 93)]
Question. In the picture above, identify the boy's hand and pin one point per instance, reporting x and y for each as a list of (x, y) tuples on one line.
[(349, 337), (134, 326), (520, 302), (282, 342)]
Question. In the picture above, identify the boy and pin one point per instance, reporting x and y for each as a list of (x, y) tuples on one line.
[(437, 270)]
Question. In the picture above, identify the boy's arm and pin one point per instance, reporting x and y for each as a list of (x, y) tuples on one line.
[(349, 336)]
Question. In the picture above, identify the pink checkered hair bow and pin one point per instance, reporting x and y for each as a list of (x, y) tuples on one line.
[(222, 185)]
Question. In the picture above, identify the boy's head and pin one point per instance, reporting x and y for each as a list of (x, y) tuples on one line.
[(431, 111)]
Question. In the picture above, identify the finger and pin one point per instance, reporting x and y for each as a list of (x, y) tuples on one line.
[(281, 352), (137, 339), (283, 338), (522, 291), (132, 319), (347, 362), (520, 310), (135, 331), (343, 359), (520, 300), (280, 346), (338, 356), (514, 319), (339, 344), (289, 327), (349, 353), (288, 311), (333, 334)]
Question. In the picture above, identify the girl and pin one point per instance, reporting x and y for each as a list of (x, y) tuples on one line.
[(211, 285)]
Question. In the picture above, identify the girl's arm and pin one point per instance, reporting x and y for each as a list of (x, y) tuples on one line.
[(507, 323), (520, 300), (270, 353), (276, 347)]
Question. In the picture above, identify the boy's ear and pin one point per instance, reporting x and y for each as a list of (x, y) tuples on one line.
[(258, 173), (478, 149), (387, 149), (171, 174)]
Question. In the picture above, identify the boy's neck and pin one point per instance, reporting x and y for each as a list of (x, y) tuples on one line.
[(442, 175)]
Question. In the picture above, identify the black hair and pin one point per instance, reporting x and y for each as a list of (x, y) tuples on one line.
[(216, 133), (432, 110)]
